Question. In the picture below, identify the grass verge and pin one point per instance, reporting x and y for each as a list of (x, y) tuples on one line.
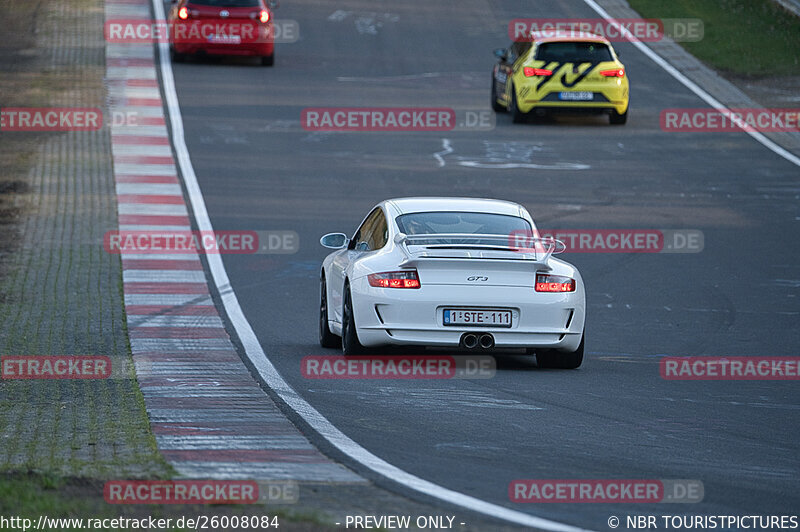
[(752, 38)]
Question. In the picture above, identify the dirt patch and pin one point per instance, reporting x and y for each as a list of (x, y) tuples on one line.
[(19, 65), (772, 92), (19, 30)]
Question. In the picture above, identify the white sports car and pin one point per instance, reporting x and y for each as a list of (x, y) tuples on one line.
[(448, 272)]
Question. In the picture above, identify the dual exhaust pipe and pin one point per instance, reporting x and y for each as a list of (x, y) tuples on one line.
[(473, 340)]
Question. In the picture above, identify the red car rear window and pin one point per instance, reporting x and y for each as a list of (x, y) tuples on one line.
[(578, 52)]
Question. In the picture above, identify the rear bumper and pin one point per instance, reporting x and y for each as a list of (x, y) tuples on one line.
[(244, 49), (606, 97), (195, 36), (577, 109), (386, 316)]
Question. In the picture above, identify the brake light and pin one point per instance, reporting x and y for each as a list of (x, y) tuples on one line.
[(263, 17), (402, 279), (554, 283), (530, 71), (183, 13), (616, 73)]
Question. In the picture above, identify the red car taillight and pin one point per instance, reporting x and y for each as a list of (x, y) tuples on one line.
[(183, 13), (402, 279), (530, 72), (616, 73), (554, 283), (263, 16)]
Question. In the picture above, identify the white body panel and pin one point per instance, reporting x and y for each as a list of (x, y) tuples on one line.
[(396, 316)]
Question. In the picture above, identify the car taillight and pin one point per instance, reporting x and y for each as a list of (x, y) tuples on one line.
[(402, 279), (263, 16), (530, 71), (554, 283), (616, 73), (183, 13)]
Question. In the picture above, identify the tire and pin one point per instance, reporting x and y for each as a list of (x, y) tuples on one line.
[(326, 337), (616, 118), (548, 358), (268, 60), (350, 344), (517, 116), (496, 107), (175, 56)]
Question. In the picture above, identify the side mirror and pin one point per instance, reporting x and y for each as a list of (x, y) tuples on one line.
[(334, 240), (501, 53)]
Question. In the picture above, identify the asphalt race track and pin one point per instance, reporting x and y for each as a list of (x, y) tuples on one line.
[(615, 417)]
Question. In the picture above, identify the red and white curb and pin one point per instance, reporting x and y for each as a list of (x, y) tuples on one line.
[(209, 417)]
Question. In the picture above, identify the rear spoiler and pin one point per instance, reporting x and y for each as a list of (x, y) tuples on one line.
[(535, 250)]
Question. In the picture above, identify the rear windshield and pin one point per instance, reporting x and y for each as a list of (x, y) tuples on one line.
[(573, 52), (425, 223), (227, 3)]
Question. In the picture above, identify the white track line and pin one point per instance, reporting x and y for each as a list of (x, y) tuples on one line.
[(706, 97), (267, 371)]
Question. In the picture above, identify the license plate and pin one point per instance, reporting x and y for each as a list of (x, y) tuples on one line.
[(577, 96), (221, 38), (477, 318)]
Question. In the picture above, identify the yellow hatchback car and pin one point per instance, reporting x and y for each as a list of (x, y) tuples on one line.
[(560, 72)]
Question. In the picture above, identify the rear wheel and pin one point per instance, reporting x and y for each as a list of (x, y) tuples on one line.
[(496, 107), (549, 358), (268, 60), (517, 116), (350, 344), (616, 118), (326, 337)]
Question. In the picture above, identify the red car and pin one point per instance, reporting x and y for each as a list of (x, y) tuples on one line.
[(222, 27)]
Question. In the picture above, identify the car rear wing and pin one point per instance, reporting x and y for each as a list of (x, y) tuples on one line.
[(536, 250)]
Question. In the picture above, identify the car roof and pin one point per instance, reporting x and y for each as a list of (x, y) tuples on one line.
[(566, 36), (439, 204)]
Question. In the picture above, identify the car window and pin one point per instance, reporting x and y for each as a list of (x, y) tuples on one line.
[(511, 54), (226, 3), (518, 49), (428, 223), (379, 234), (361, 238), (510, 57), (573, 52)]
